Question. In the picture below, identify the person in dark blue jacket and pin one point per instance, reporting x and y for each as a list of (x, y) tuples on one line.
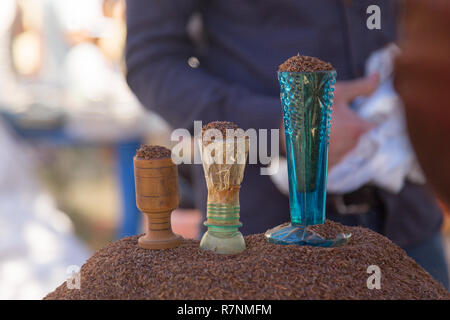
[(242, 44)]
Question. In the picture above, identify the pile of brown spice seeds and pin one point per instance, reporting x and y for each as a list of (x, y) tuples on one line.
[(122, 270)]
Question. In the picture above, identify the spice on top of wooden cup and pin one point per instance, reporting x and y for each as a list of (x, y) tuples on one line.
[(147, 152)]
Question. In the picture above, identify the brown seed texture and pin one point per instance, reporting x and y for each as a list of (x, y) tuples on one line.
[(208, 134), (152, 152), (122, 270), (300, 63)]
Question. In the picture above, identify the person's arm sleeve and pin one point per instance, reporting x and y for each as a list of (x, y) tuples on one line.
[(157, 51)]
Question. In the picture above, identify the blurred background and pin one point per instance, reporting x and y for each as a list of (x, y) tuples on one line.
[(69, 127)]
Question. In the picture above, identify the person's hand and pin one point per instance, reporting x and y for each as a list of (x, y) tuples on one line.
[(346, 126), (282, 140)]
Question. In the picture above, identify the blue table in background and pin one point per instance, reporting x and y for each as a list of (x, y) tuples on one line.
[(125, 170), (126, 149)]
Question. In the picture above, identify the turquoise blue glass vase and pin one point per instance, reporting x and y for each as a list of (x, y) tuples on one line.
[(307, 99)]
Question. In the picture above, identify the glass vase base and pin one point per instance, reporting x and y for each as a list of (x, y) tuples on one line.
[(223, 245), (301, 236)]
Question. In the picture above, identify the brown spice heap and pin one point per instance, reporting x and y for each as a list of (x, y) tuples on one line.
[(209, 135), (122, 270), (152, 152), (300, 63)]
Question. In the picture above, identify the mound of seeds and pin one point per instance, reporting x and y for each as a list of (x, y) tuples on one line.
[(152, 152), (122, 270), (300, 63), (209, 135)]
